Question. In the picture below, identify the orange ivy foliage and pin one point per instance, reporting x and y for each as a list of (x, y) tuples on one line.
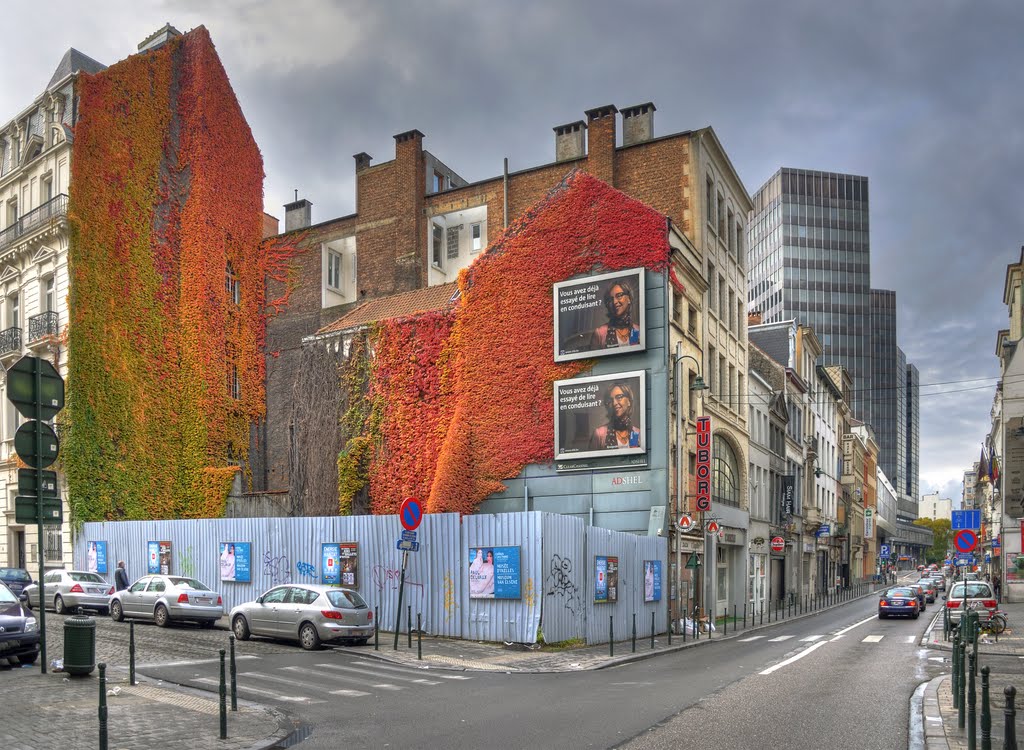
[(167, 191), (454, 424)]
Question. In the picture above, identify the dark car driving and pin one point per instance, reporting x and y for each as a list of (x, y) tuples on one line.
[(19, 629), (899, 600)]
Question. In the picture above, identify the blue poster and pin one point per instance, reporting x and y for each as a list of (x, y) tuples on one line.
[(494, 573), (330, 564), (652, 580), (153, 558), (96, 557), (235, 561), (600, 579)]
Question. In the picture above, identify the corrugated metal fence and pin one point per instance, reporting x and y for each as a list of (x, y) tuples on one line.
[(557, 585)]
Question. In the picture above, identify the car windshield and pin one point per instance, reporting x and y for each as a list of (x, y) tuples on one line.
[(14, 574), (7, 596), (343, 598), (899, 592), (188, 583), (85, 577), (926, 582), (973, 591)]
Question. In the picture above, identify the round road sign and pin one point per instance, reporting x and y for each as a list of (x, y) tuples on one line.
[(411, 513), (713, 527), (685, 522), (965, 540), (778, 544)]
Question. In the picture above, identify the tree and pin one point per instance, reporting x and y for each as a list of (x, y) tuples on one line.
[(942, 534)]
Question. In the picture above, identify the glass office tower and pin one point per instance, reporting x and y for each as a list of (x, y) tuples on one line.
[(888, 403), (810, 260), (913, 432)]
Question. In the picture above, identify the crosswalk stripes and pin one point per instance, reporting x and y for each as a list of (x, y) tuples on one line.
[(873, 639), (812, 638), (780, 638), (751, 638)]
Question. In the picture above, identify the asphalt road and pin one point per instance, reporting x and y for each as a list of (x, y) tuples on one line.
[(838, 691)]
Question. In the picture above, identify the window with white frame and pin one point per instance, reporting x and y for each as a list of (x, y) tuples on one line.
[(48, 295), (333, 270), (437, 245), (478, 240), (231, 285), (14, 310)]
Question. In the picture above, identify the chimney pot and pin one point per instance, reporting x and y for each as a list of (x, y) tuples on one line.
[(637, 123), (569, 141), (362, 160), (298, 215)]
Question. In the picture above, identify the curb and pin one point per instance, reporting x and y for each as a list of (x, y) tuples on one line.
[(929, 734)]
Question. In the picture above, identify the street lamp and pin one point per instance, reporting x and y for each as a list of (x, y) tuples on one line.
[(680, 427)]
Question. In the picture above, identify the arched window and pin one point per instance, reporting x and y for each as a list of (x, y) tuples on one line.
[(725, 474)]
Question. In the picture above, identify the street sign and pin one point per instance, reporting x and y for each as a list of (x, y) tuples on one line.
[(883, 551), (406, 546), (411, 513), (965, 519), (778, 544), (27, 483), (713, 527), (25, 444), (21, 388), (685, 522), (25, 509), (408, 536), (823, 531), (965, 540)]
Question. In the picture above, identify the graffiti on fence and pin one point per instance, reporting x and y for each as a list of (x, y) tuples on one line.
[(305, 569), (187, 562), (561, 585), (451, 604), (277, 568)]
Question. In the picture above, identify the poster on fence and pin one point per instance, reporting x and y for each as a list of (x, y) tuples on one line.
[(348, 553), (652, 580), (96, 557), (235, 561), (606, 579), (159, 558), (494, 573), (330, 564)]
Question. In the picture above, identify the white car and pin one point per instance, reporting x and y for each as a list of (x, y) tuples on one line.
[(68, 590), (167, 599), (307, 613)]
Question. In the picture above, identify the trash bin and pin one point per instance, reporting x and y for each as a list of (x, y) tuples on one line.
[(79, 645)]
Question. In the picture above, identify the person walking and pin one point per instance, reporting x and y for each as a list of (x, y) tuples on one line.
[(120, 576), (997, 585)]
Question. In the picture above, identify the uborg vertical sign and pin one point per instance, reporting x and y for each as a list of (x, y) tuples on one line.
[(703, 465)]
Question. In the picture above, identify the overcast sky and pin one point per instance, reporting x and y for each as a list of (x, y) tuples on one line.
[(921, 96)]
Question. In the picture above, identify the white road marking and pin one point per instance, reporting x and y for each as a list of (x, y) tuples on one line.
[(911, 638), (403, 670), (812, 638), (792, 659), (872, 639), (844, 631), (751, 638), (275, 678), (348, 693), (257, 691), (374, 674), (190, 663), (780, 638), (387, 686)]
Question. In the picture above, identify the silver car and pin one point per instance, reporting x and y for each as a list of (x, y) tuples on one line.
[(69, 590), (310, 614), (167, 599)]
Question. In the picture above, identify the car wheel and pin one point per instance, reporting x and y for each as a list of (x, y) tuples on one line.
[(308, 637), (27, 660), (116, 613), (58, 605), (161, 616), (360, 641), (881, 615), (207, 623), (916, 615), (240, 628)]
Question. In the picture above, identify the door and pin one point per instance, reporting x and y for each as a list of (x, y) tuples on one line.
[(149, 598), (131, 598), (292, 610), (263, 617)]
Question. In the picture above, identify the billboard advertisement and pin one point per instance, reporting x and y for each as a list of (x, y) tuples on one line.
[(330, 566), (599, 315), (652, 580), (603, 415), (788, 494), (96, 557), (235, 562), (606, 579), (494, 573), (158, 559)]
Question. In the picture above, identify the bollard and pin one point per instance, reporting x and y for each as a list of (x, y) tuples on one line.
[(223, 700), (745, 614), (1009, 717), (762, 613), (131, 652), (961, 718), (972, 718), (634, 632), (419, 636), (684, 627), (103, 706), (956, 664), (734, 618), (671, 626), (376, 628), (652, 630), (611, 635), (234, 675), (986, 712), (409, 625)]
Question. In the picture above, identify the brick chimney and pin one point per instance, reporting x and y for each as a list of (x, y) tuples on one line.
[(409, 188), (637, 123), (298, 214), (601, 156), (569, 141), (362, 161)]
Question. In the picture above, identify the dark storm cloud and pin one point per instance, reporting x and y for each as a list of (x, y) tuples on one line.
[(920, 96)]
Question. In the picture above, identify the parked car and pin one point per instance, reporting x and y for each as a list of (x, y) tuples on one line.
[(922, 599), (15, 578), (899, 600), (19, 629), (970, 595), (68, 590), (930, 590), (310, 614), (168, 599)]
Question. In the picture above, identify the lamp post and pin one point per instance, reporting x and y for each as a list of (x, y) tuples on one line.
[(681, 479)]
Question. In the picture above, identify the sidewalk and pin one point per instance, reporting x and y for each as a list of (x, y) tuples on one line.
[(939, 715), (56, 710)]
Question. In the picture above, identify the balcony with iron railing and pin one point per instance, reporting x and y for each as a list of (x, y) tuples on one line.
[(35, 219), (42, 327), (10, 342)]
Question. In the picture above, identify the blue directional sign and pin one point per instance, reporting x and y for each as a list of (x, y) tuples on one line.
[(883, 551), (966, 519), (408, 536), (406, 546)]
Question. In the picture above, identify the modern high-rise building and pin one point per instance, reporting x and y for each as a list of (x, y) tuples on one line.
[(810, 261), (913, 452)]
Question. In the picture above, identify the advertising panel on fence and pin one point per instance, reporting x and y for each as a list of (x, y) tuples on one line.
[(96, 557), (606, 579), (330, 564), (235, 561), (348, 553), (599, 315), (159, 558), (600, 416), (652, 580), (494, 573)]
